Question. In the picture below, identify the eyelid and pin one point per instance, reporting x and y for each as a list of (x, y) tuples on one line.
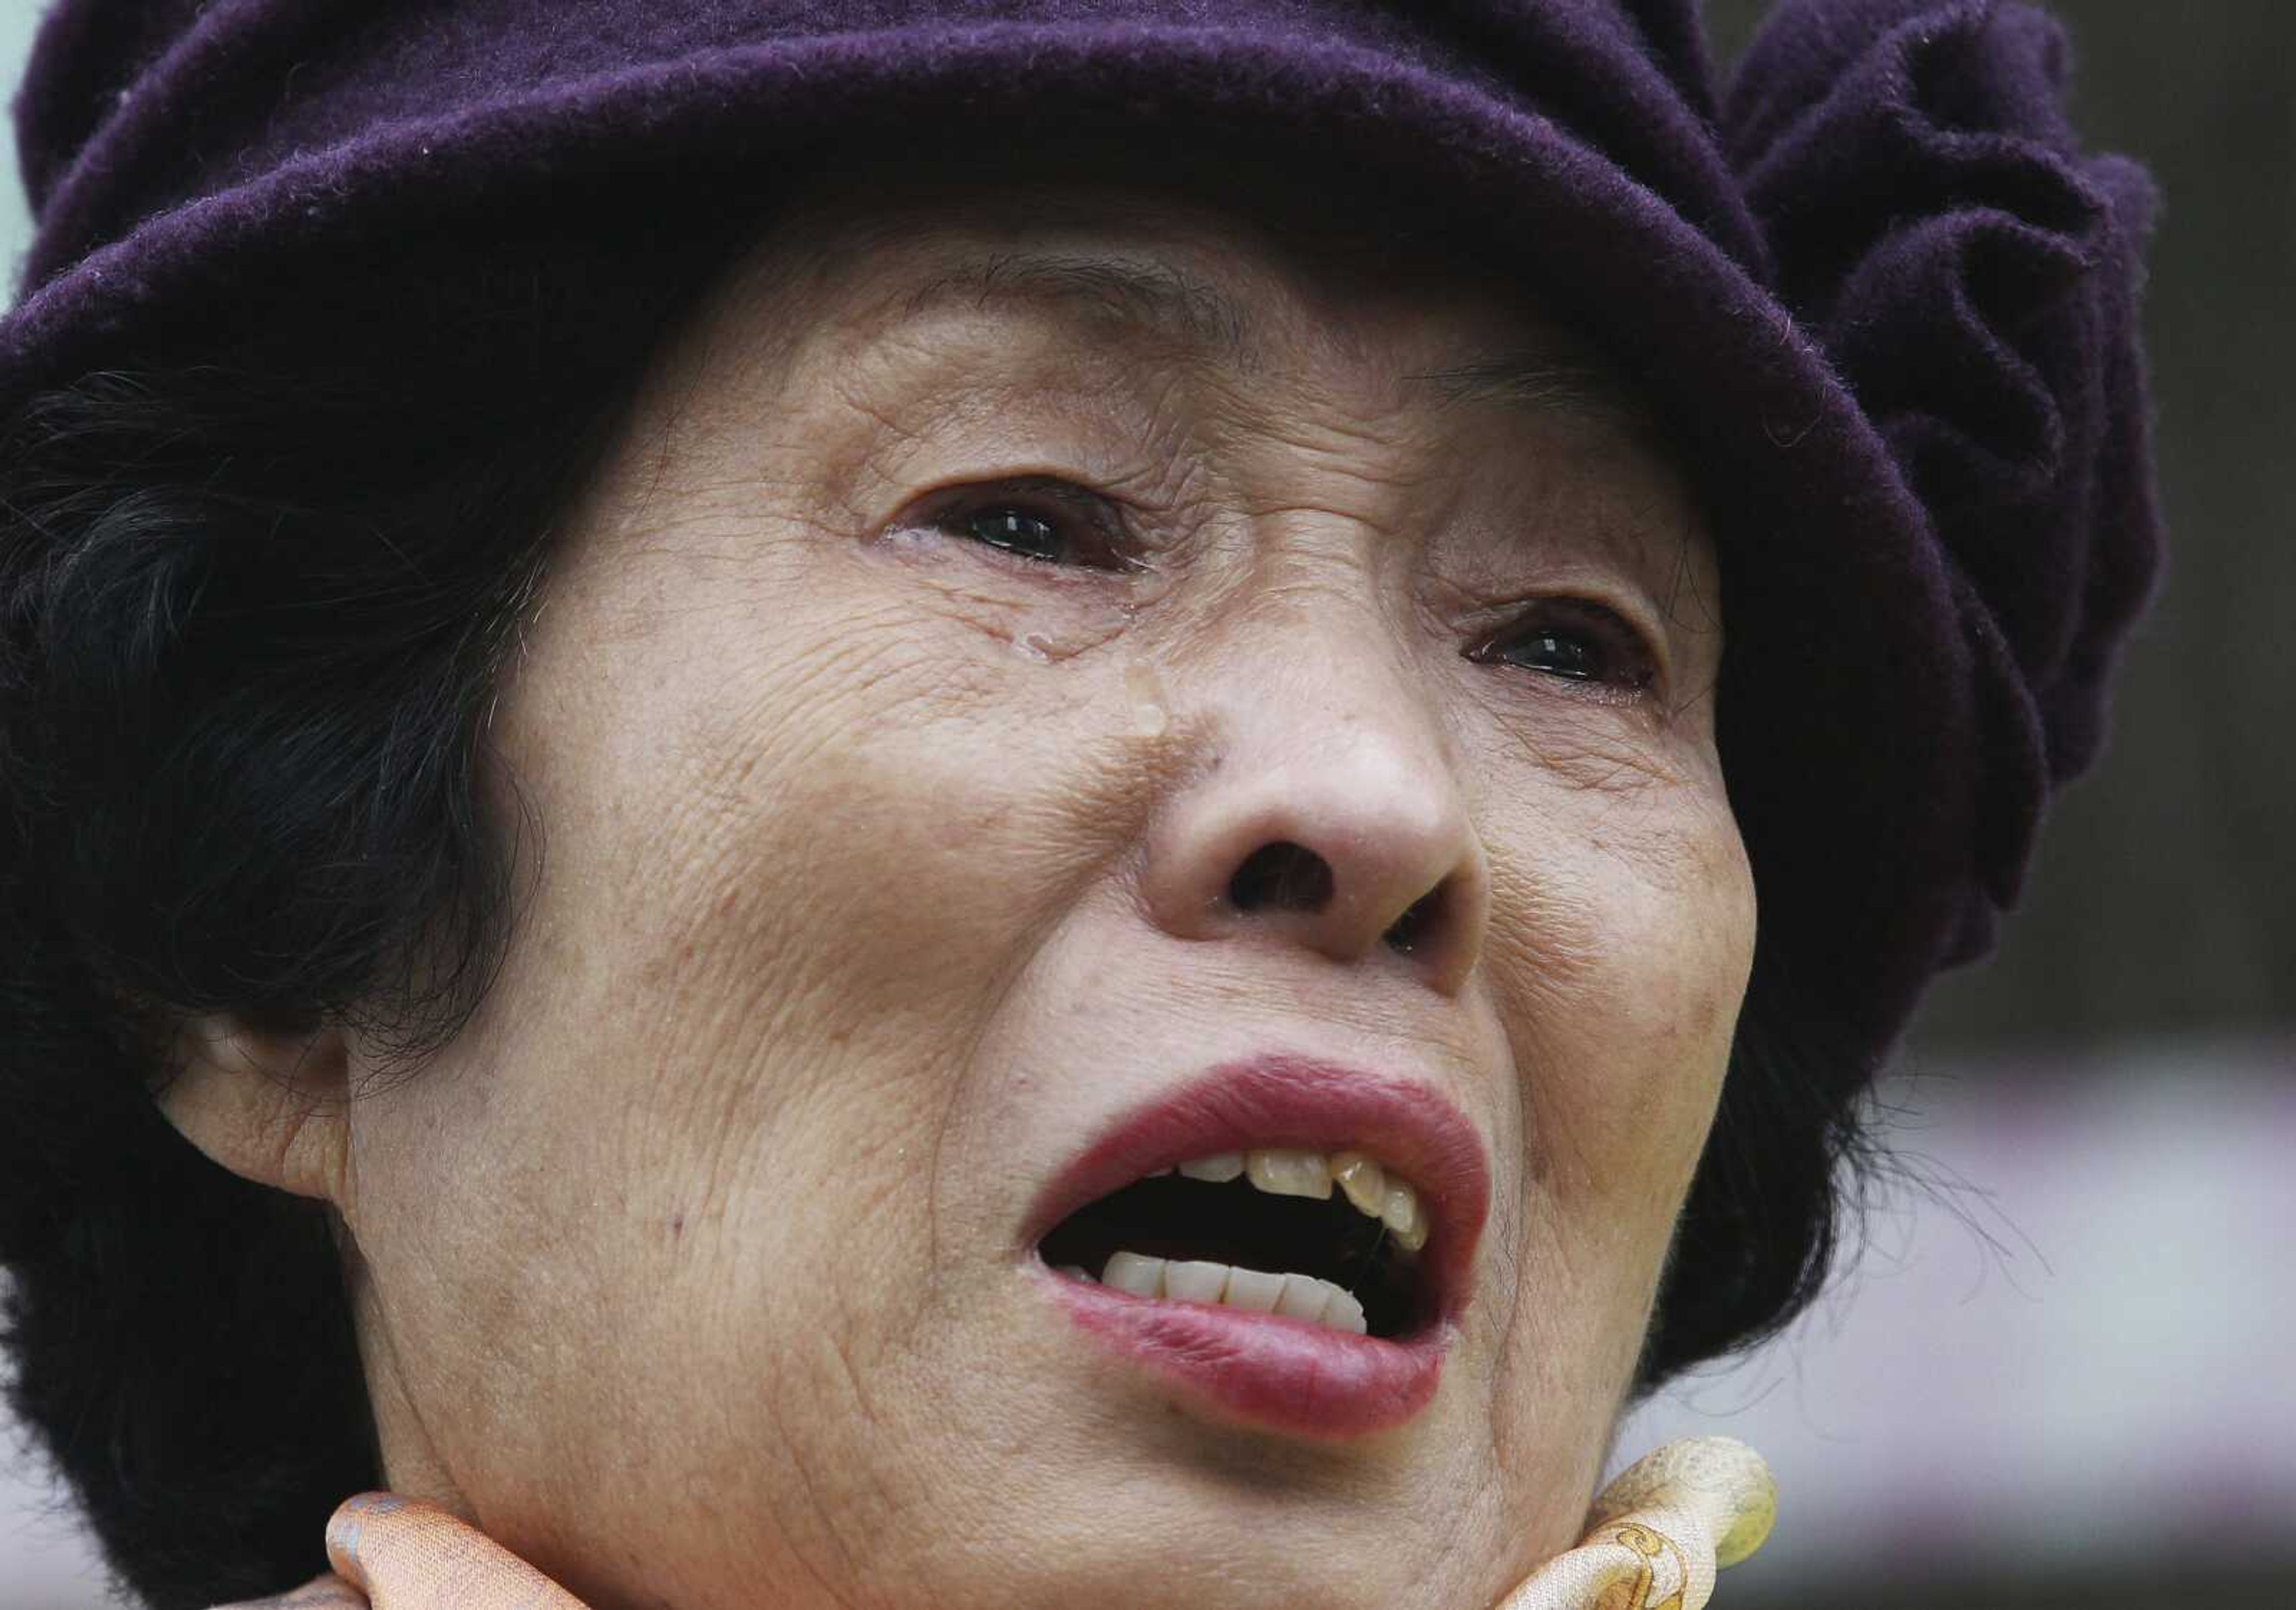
[(1034, 488), (1060, 491)]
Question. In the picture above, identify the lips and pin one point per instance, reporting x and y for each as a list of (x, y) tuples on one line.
[(1265, 1369)]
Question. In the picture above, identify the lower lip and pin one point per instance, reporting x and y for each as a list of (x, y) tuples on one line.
[(1264, 1370)]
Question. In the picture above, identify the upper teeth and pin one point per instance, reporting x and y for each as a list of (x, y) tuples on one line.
[(1283, 1171)]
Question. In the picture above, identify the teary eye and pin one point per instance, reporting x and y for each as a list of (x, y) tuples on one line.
[(1018, 531), (1043, 521), (1577, 640)]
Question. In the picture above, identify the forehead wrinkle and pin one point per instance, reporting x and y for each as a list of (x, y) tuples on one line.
[(1157, 299), (1542, 384)]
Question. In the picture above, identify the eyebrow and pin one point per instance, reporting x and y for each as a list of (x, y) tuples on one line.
[(1180, 309)]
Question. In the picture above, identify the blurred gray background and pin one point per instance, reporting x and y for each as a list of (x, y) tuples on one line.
[(2062, 1373)]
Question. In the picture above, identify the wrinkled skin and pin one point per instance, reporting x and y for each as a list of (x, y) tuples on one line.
[(881, 867)]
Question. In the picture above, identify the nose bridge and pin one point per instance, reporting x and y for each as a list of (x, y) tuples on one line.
[(1327, 813), (1313, 659)]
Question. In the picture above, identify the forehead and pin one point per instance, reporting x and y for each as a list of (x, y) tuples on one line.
[(1200, 277)]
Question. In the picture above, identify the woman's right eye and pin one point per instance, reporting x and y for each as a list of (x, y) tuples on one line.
[(1045, 523)]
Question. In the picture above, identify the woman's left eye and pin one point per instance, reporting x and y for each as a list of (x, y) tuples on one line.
[(1048, 523), (1578, 641)]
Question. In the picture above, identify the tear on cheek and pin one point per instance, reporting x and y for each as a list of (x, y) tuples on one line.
[(1144, 690)]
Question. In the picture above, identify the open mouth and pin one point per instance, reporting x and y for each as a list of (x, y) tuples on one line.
[(1280, 1243), (1332, 1238)]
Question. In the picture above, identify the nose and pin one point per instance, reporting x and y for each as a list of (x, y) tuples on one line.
[(1331, 820)]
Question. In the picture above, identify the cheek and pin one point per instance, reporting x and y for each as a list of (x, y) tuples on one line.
[(804, 781), (808, 822), (1623, 931), (802, 833), (1622, 934)]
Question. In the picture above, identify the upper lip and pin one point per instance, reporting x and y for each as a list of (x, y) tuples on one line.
[(1299, 1101)]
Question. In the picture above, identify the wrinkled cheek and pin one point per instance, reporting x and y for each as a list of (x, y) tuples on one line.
[(1621, 996), (1667, 1003), (1622, 1055)]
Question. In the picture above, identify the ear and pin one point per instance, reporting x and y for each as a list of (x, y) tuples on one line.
[(268, 1105)]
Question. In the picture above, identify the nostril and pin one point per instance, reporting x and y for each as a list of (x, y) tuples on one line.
[(1405, 933), (1289, 876)]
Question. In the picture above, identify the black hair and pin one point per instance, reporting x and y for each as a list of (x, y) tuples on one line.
[(255, 594)]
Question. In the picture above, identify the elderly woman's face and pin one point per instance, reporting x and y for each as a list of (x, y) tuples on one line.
[(1056, 682)]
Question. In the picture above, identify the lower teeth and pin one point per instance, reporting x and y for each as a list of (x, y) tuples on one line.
[(1185, 1280)]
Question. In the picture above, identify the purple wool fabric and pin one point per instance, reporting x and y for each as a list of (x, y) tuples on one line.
[(1883, 300)]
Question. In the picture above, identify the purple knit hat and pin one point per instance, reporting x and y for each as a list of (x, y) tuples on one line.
[(1885, 304)]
